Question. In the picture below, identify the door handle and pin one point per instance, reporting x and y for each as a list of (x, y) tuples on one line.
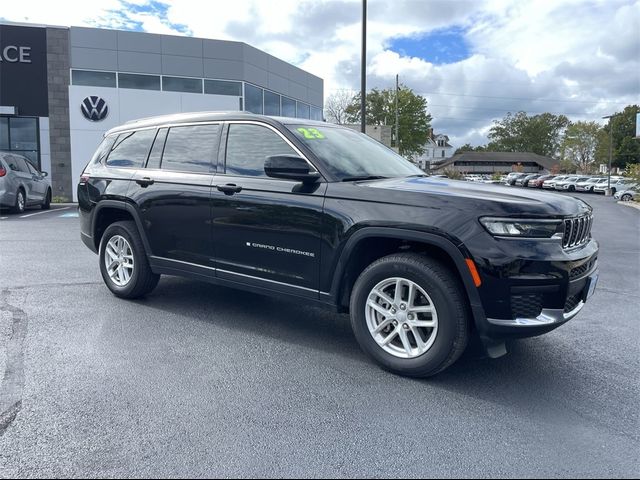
[(145, 182), (229, 188)]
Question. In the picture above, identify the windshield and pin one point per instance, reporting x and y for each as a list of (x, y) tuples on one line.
[(350, 154)]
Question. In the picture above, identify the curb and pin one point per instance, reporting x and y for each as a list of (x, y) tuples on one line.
[(635, 205)]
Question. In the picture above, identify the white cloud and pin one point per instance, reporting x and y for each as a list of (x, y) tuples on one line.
[(579, 57)]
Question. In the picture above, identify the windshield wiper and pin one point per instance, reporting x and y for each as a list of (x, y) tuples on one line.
[(418, 175), (365, 177)]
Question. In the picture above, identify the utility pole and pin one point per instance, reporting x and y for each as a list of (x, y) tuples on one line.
[(610, 117), (397, 114), (363, 73)]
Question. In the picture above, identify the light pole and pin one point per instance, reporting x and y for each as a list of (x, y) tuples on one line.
[(608, 192), (363, 72)]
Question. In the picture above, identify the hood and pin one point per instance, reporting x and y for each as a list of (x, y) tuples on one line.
[(486, 199)]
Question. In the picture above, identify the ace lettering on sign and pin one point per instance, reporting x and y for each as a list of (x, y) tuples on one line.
[(15, 54)]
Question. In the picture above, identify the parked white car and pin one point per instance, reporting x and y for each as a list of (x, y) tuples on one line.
[(628, 194), (588, 184), (551, 183), (617, 184)]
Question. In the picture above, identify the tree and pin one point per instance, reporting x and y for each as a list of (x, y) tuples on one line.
[(335, 108), (468, 148), (579, 144), (541, 134), (626, 148), (414, 121)]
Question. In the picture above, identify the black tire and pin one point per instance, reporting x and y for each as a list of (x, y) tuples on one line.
[(613, 190), (143, 280), (19, 206), (449, 299), (626, 197), (46, 205), (572, 188)]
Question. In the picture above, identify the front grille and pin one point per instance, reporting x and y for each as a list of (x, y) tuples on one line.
[(577, 231), (572, 302), (577, 272), (526, 306)]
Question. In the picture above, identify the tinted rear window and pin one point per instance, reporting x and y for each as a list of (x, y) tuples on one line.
[(131, 149), (191, 148)]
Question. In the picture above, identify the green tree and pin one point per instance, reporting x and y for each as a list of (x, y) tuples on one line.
[(468, 148), (414, 121), (579, 144), (626, 148), (519, 132)]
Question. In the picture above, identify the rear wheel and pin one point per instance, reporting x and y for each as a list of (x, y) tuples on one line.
[(626, 197), (409, 313), (21, 201), (123, 261)]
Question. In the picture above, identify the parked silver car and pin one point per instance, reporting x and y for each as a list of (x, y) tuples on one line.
[(21, 184), (628, 194)]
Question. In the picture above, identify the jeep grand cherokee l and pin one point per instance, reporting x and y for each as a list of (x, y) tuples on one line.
[(325, 215)]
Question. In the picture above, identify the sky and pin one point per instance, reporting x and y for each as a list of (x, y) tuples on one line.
[(474, 60)]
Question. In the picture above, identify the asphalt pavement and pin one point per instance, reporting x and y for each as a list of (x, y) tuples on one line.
[(204, 381)]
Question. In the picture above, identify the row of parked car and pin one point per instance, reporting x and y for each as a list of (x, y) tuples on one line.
[(622, 188)]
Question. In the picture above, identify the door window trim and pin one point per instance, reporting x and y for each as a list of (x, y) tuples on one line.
[(272, 128)]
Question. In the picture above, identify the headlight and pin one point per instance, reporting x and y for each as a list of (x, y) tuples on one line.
[(524, 228)]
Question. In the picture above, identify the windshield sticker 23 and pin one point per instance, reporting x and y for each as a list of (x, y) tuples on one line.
[(272, 248), (311, 133)]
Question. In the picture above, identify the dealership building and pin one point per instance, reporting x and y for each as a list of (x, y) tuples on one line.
[(62, 88)]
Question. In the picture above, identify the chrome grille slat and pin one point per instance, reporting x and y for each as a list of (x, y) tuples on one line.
[(577, 231)]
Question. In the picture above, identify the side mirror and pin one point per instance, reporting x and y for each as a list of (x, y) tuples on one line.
[(289, 167)]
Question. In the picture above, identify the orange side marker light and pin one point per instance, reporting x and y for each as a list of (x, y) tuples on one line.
[(474, 272)]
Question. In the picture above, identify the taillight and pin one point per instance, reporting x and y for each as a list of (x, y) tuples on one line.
[(3, 171)]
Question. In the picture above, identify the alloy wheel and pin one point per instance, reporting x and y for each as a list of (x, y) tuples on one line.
[(118, 258), (401, 317)]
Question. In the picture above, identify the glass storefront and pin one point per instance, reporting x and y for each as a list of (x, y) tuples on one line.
[(20, 135)]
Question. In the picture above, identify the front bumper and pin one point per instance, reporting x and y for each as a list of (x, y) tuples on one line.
[(531, 287)]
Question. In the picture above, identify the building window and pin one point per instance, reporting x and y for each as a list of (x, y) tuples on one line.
[(303, 110), (138, 82), (93, 79), (182, 84), (253, 99), (221, 87), (20, 135), (442, 153), (288, 107), (316, 113), (271, 103)]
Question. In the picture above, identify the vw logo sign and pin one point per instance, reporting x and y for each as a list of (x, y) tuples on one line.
[(94, 109)]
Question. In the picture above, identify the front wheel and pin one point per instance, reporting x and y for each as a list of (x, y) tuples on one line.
[(626, 197), (123, 262), (410, 314), (21, 202)]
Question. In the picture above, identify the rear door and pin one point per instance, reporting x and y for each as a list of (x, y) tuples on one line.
[(173, 195), (266, 231)]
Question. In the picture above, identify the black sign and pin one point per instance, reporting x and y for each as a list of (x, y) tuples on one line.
[(94, 108), (23, 70)]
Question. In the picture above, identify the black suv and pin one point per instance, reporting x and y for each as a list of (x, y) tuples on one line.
[(325, 215)]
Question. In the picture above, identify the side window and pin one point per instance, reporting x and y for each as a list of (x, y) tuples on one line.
[(156, 151), (131, 149), (22, 164), (248, 146), (32, 169), (191, 149), (12, 162), (103, 149)]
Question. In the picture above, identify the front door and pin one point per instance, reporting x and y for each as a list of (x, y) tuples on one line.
[(266, 231)]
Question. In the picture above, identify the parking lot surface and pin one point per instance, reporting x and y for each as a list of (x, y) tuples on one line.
[(198, 380)]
